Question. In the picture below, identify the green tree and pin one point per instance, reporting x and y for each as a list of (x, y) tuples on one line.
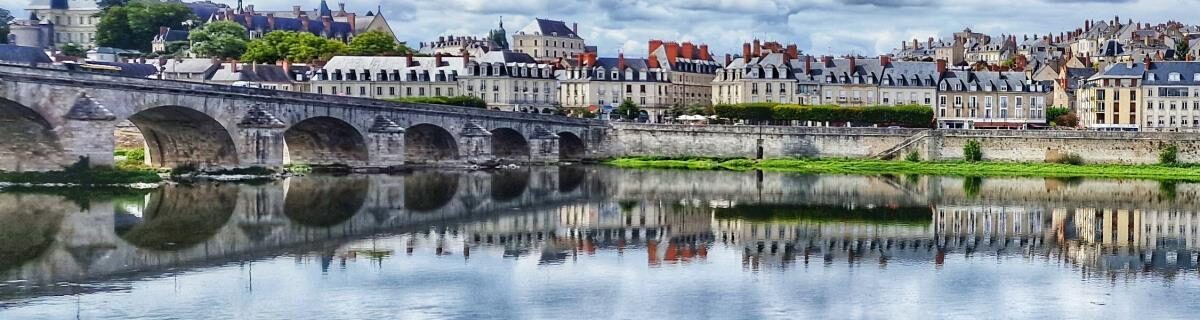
[(220, 39), (105, 4), (134, 24), (972, 151), (1169, 155), (628, 109), (5, 18), (376, 43), (1182, 49), (293, 46), (73, 50)]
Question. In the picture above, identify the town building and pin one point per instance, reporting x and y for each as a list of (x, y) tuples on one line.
[(1172, 96), (762, 74), (596, 83), (458, 45), (358, 23), (258, 24), (989, 99), (690, 69), (548, 40), (33, 32), (74, 21), (1108, 100), (390, 77), (511, 81)]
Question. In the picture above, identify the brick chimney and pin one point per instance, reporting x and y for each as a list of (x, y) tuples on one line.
[(437, 60), (941, 68), (853, 66), (903, 45), (350, 20), (916, 44), (728, 59), (704, 55), (930, 43), (621, 61), (689, 50), (746, 52), (808, 64), (408, 58), (575, 27), (757, 48), (793, 52), (653, 45), (672, 51), (885, 60), (827, 61), (466, 57), (271, 20)]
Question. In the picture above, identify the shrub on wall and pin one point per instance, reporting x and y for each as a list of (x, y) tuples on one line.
[(912, 156), (904, 115), (972, 151), (1169, 155), (465, 101)]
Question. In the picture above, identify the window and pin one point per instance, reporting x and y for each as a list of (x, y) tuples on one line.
[(1174, 77)]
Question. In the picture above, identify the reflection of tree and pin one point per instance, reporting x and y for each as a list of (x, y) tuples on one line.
[(429, 191), (180, 216), (971, 186), (1167, 190), (325, 201), (509, 184), (827, 213), (27, 228)]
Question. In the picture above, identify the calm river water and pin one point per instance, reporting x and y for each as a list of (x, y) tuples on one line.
[(599, 242)]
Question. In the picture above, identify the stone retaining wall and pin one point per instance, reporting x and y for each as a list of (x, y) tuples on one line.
[(998, 145)]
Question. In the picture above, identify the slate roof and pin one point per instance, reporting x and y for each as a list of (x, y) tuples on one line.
[(549, 28), (23, 55), (315, 26), (1121, 70), (205, 9), (204, 66), (505, 56), (140, 70), (1016, 81), (1188, 73), (267, 73)]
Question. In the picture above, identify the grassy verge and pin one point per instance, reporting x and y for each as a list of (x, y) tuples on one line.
[(80, 173), (951, 168)]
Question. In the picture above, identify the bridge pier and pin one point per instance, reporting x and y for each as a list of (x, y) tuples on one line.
[(84, 120), (385, 141), (543, 146), (475, 143), (263, 143)]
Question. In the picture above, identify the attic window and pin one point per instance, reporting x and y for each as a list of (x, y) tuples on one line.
[(1173, 77), (1196, 77), (1150, 77)]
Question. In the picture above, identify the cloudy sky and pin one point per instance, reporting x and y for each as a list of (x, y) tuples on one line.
[(866, 27)]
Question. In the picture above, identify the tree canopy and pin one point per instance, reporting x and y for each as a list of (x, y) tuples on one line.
[(134, 24), (376, 43), (220, 39), (73, 50), (292, 46), (1182, 49), (628, 109)]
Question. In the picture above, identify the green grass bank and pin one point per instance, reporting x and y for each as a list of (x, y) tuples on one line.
[(1189, 173)]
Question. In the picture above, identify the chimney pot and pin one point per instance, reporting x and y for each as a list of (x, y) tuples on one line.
[(437, 60), (885, 60), (941, 67)]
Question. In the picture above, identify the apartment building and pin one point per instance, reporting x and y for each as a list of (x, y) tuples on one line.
[(595, 83), (989, 99), (1172, 96), (548, 40), (690, 69), (390, 77), (511, 81), (1108, 100), (764, 73)]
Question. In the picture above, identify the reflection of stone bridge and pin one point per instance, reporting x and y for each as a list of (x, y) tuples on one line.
[(50, 118), (186, 225)]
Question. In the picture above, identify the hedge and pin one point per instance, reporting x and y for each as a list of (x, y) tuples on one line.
[(465, 101), (903, 115)]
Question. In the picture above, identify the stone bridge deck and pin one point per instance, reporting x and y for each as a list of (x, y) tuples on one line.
[(55, 117)]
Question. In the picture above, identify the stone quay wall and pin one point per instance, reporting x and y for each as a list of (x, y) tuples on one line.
[(628, 139)]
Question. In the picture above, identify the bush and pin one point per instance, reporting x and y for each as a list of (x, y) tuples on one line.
[(972, 151), (463, 101), (1169, 156), (904, 115), (1072, 159), (912, 156)]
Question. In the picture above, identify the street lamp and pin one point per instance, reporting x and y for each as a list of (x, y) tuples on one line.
[(189, 24)]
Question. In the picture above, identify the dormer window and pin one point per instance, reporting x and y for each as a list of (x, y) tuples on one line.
[(1150, 77), (1196, 77), (1174, 77)]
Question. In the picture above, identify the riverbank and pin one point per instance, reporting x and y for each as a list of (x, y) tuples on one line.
[(955, 168)]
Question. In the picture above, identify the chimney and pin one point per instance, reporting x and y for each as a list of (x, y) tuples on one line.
[(1087, 25), (296, 11), (672, 51), (757, 48), (728, 59), (808, 64), (930, 43), (271, 20), (466, 58), (941, 67), (853, 66), (408, 58), (575, 27), (746, 52), (704, 55), (688, 50), (233, 66), (826, 61), (793, 52), (916, 44), (437, 60), (903, 45), (350, 19), (621, 61), (653, 45), (885, 60)]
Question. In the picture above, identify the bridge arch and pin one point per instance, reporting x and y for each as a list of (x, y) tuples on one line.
[(178, 136), (324, 201), (29, 141), (424, 143), (175, 217), (509, 144), (570, 146), (325, 141)]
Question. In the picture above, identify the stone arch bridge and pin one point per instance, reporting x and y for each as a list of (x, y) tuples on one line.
[(52, 118)]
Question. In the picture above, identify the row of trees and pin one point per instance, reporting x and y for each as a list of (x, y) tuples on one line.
[(465, 101), (904, 115)]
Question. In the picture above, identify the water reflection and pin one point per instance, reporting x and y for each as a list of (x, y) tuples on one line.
[(564, 217)]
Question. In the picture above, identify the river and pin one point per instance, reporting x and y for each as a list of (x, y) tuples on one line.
[(602, 242)]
